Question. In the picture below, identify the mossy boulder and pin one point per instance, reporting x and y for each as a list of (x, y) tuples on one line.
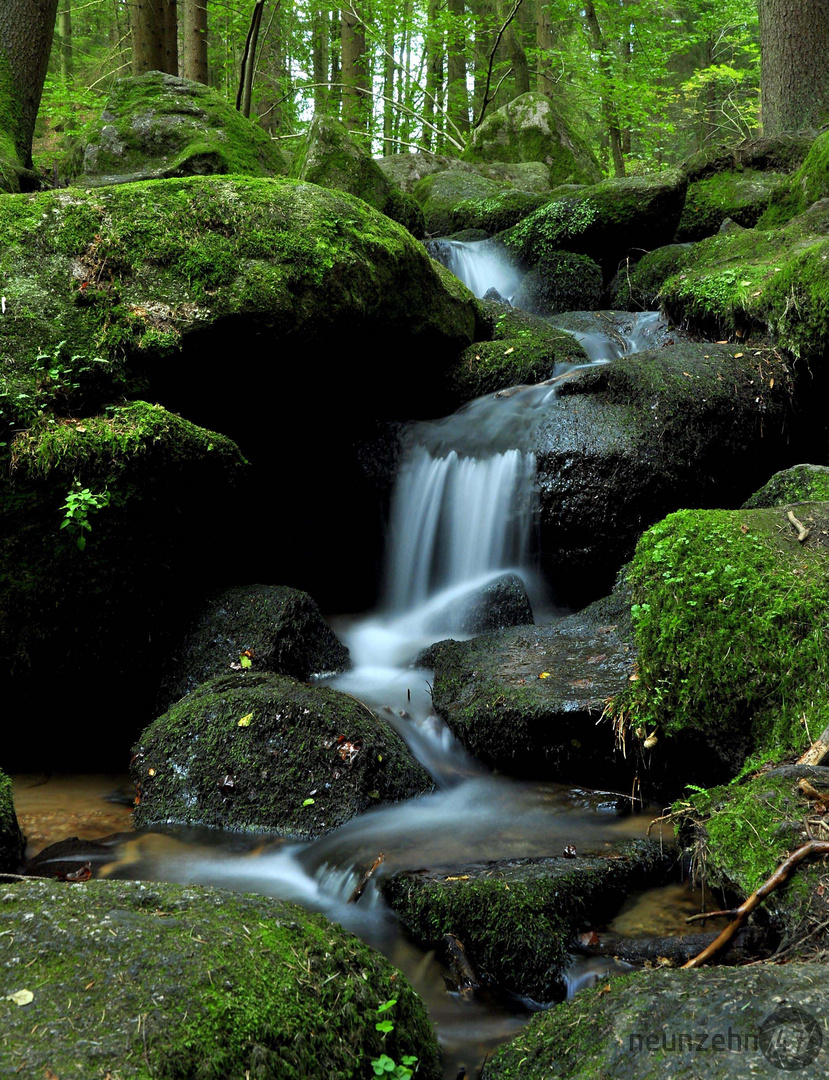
[(263, 752), (560, 281), (11, 170), (517, 920), (729, 612), (741, 196), (498, 212), (158, 126), (524, 349), (604, 221), (757, 284), (441, 192), (783, 153), (529, 128), (800, 483), (527, 700), (685, 424), (174, 982), (102, 542), (332, 158), (265, 627), (671, 1024), (809, 183), (638, 284), (12, 843)]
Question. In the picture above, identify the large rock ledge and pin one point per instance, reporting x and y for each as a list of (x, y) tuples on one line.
[(145, 980)]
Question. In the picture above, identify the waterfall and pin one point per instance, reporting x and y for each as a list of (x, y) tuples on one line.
[(456, 521), (479, 265)]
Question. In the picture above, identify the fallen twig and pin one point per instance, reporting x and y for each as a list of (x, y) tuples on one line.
[(360, 888), (817, 751), (802, 531)]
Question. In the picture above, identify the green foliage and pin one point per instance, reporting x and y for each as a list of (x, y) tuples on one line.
[(384, 1065), (80, 504)]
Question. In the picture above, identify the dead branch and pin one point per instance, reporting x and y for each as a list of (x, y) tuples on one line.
[(780, 876), (817, 751), (360, 888), (802, 531)]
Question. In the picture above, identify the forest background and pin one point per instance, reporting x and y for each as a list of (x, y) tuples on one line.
[(645, 82)]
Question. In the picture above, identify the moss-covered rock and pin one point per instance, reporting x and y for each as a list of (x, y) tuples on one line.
[(441, 192), (102, 540), (263, 627), (730, 626), (687, 424), (754, 284), (525, 349), (809, 183), (12, 843), (498, 212), (518, 919), (170, 982), (638, 285), (669, 1025), (333, 158), (800, 483), (783, 153), (560, 281), (741, 196), (529, 128), (526, 700), (159, 126), (604, 221), (263, 752)]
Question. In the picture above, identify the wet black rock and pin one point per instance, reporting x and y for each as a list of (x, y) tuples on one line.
[(501, 603)]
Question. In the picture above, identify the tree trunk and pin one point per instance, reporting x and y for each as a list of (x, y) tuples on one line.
[(457, 103), (354, 71), (515, 50), (26, 29), (609, 109), (147, 24), (65, 32), (335, 51), (794, 36), (545, 43), (434, 75), (320, 55), (194, 40), (170, 9), (388, 86)]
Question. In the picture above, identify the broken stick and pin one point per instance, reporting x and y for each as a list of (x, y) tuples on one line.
[(802, 531), (817, 751), (360, 888)]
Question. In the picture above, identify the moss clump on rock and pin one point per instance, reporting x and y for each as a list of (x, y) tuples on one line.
[(800, 483), (182, 983), (638, 285), (263, 752), (729, 611), (741, 196), (441, 192), (498, 212), (12, 843), (809, 183), (517, 920), (561, 281), (159, 126)]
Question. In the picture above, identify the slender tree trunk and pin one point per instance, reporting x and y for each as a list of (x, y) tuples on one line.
[(194, 40), (457, 104), (545, 43), (148, 35), (65, 33), (794, 36), (515, 50), (434, 72), (483, 12), (26, 29), (320, 55), (609, 110), (335, 50), (354, 71), (243, 97), (388, 85)]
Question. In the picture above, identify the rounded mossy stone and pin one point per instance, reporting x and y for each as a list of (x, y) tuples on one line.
[(800, 483), (439, 193), (604, 221), (186, 983), (264, 752), (729, 613), (637, 286), (158, 126), (783, 153), (665, 1025), (740, 196), (263, 627), (517, 920), (496, 213), (145, 275), (561, 281), (530, 128), (809, 184), (12, 843)]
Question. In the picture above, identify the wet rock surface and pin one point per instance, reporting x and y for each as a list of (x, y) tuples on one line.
[(502, 603), (517, 918), (163, 981)]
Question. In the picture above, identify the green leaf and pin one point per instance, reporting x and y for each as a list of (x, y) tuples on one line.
[(308, 802)]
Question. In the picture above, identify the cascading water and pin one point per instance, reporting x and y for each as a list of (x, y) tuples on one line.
[(478, 264)]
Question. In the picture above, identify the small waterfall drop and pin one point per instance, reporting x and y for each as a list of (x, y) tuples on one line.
[(478, 264)]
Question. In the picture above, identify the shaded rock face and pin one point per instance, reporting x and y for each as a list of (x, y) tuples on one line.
[(504, 602), (12, 844), (273, 628), (723, 1014), (213, 977), (741, 197), (777, 153), (560, 281), (333, 159), (406, 170), (157, 126), (800, 483), (517, 919), (527, 700), (638, 284), (629, 441), (440, 192), (529, 129), (263, 752)]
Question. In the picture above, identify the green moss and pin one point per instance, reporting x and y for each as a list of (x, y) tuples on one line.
[(497, 213), (729, 617), (224, 985), (637, 286), (810, 183), (742, 196), (561, 281), (801, 483), (11, 838)]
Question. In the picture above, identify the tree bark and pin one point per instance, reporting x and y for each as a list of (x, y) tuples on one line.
[(515, 51), (457, 98), (609, 109), (170, 11), (65, 33), (320, 55), (545, 41), (147, 23), (794, 83), (26, 30), (354, 75), (194, 40), (433, 44)]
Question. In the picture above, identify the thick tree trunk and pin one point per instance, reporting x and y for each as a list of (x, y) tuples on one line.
[(26, 29), (794, 37), (434, 75), (545, 43), (170, 37), (354, 71), (320, 55), (515, 50), (194, 40), (147, 23)]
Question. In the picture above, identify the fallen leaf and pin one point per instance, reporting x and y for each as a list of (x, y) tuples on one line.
[(589, 937), (245, 721), (21, 997), (308, 802), (737, 355), (511, 349), (544, 675), (771, 383), (459, 877), (744, 529)]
